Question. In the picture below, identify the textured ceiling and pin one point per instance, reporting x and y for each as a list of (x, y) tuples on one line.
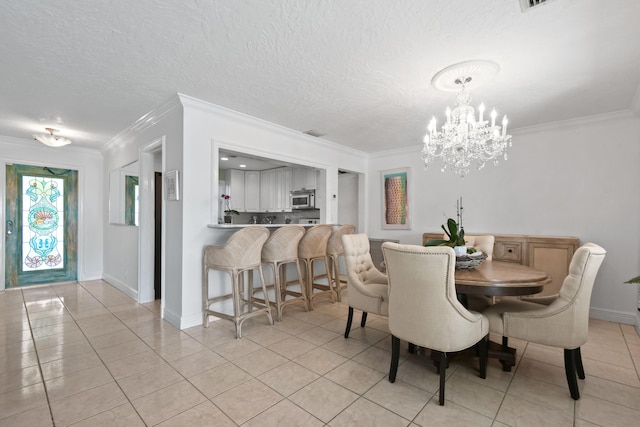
[(358, 71)]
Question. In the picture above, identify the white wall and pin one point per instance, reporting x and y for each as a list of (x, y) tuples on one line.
[(88, 163), (578, 178), (121, 245)]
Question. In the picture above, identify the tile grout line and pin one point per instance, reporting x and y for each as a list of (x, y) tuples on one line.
[(99, 357), (35, 347)]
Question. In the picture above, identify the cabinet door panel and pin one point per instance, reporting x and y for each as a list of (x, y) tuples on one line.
[(236, 189), (553, 260), (252, 191), (267, 191)]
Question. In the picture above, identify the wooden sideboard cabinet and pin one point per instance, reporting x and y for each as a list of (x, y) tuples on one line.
[(551, 254)]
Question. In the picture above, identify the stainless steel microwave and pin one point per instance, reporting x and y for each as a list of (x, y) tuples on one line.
[(303, 199)]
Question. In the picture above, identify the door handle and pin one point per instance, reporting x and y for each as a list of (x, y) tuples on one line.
[(9, 228)]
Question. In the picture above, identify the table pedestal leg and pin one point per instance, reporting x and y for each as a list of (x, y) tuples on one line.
[(505, 354)]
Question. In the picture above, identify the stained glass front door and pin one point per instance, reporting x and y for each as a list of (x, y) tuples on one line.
[(41, 236)]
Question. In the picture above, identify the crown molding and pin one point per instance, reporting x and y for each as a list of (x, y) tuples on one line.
[(198, 104), (580, 121), (145, 122), (396, 152)]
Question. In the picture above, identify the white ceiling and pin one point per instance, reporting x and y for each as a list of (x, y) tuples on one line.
[(358, 71)]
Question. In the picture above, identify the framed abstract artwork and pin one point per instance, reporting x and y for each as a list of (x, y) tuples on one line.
[(395, 199)]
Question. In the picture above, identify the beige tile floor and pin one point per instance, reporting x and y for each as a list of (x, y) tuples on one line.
[(86, 354)]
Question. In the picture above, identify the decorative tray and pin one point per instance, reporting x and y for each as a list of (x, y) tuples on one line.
[(470, 260)]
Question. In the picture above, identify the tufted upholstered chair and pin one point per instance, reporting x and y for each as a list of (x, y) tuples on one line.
[(241, 253), (564, 323), (424, 309), (311, 249), (335, 250), (280, 249), (367, 288), (483, 243)]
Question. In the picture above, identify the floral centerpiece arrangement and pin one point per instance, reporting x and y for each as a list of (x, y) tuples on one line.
[(466, 255), (455, 232), (228, 212)]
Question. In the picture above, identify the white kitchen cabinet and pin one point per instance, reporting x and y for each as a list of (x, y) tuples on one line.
[(252, 191), (284, 185), (304, 178), (235, 189), (268, 197)]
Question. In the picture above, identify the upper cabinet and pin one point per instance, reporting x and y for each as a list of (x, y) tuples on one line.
[(305, 178), (275, 186), (267, 190), (252, 191), (235, 189), (284, 185)]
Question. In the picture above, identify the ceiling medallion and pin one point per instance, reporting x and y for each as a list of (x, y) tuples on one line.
[(462, 140), (51, 140)]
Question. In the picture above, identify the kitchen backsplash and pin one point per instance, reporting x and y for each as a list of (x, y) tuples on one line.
[(276, 217)]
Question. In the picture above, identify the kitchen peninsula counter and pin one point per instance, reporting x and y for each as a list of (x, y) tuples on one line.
[(238, 226)]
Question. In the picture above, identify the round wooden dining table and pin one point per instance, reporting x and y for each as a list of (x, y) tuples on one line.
[(499, 278)]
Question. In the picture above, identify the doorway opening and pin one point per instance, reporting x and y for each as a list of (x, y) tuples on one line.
[(349, 202), (151, 236)]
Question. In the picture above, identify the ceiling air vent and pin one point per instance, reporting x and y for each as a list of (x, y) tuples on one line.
[(527, 5), (313, 132)]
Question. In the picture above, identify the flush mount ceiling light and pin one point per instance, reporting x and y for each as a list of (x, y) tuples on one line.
[(463, 140), (51, 140)]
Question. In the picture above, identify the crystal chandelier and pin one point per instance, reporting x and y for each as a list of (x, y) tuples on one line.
[(463, 140)]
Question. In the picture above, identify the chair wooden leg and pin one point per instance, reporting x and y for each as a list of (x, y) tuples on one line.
[(349, 320), (442, 368), (364, 319), (570, 371), (277, 278), (303, 285), (579, 367), (332, 290), (308, 282), (395, 356), (235, 279), (266, 296), (205, 297), (335, 276), (483, 350)]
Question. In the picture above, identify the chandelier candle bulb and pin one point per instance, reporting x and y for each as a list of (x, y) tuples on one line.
[(504, 125), (448, 113), (493, 118), (481, 111)]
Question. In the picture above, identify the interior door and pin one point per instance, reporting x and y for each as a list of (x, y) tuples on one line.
[(42, 225)]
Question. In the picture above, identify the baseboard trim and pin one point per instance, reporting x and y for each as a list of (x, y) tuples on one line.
[(191, 321), (183, 322), (614, 316), (121, 286)]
